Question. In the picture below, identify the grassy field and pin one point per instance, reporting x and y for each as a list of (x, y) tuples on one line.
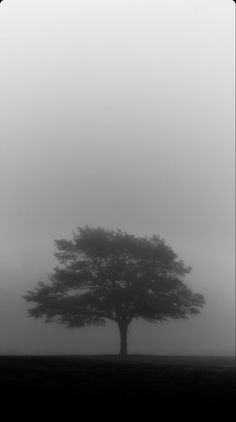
[(98, 388)]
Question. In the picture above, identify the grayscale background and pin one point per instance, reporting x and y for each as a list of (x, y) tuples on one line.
[(118, 114)]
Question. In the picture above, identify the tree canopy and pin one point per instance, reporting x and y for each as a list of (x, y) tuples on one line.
[(111, 275)]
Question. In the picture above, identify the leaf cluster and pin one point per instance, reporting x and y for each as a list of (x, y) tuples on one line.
[(106, 274)]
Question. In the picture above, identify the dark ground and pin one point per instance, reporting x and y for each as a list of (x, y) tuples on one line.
[(106, 388)]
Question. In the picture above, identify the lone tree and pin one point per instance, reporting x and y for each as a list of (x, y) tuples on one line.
[(111, 275)]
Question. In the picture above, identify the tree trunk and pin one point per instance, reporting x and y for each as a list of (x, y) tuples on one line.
[(123, 327)]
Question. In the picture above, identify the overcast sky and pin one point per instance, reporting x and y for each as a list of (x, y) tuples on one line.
[(118, 114)]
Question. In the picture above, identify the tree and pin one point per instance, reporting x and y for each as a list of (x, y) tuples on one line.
[(111, 275)]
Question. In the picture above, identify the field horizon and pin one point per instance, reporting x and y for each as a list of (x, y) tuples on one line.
[(6, 353), (139, 357)]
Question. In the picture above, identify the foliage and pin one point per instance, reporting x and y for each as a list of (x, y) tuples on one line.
[(111, 275)]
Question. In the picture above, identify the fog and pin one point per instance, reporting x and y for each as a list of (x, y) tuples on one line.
[(118, 114)]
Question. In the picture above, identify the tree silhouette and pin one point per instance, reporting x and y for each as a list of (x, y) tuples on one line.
[(111, 275)]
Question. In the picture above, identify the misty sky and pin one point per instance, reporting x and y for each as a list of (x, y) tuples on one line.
[(118, 114)]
